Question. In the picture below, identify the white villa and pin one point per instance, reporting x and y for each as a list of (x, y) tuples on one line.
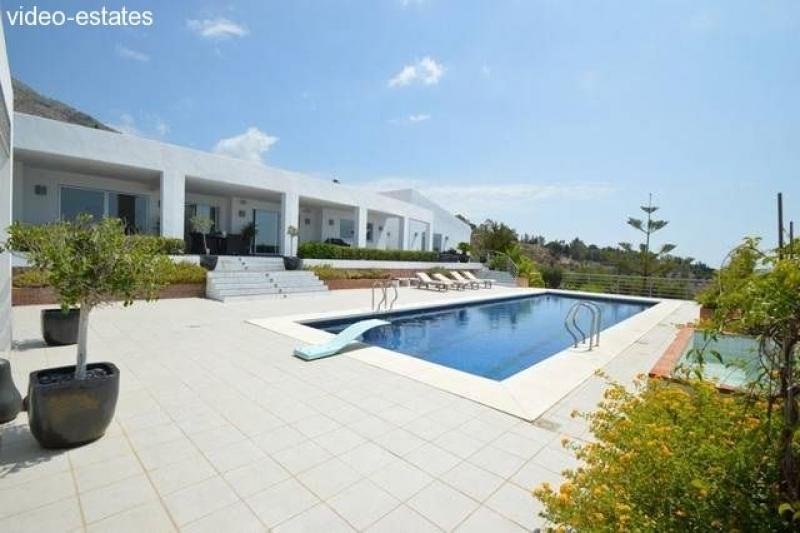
[(61, 169)]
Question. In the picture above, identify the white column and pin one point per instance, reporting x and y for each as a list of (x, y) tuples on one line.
[(361, 227), (173, 200), (6, 202), (404, 228), (429, 238), (290, 216), (18, 177)]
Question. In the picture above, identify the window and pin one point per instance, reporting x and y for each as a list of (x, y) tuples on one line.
[(347, 229), (204, 210), (437, 242), (130, 208), (369, 231), (77, 201)]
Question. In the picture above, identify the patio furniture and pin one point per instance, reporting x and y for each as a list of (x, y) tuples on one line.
[(471, 283), (339, 342), (460, 285), (409, 282), (425, 281), (487, 282)]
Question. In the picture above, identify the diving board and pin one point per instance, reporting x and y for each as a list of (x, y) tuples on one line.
[(339, 342)]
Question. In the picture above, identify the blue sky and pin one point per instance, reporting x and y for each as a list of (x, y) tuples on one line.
[(557, 117)]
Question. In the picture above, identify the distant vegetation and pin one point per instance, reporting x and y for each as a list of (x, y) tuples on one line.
[(554, 257)]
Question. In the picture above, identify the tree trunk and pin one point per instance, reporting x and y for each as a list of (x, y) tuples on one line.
[(789, 470), (83, 334)]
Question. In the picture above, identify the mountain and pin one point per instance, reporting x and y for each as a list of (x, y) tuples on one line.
[(26, 100)]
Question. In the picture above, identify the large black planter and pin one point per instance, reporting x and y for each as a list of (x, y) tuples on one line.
[(59, 328), (291, 263), (63, 413), (209, 262), (10, 399)]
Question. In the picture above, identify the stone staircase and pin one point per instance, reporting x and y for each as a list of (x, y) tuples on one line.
[(248, 278), (501, 277)]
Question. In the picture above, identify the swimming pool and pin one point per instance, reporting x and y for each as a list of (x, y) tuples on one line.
[(494, 339)]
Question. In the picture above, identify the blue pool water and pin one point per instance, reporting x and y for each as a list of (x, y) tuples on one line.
[(493, 339)]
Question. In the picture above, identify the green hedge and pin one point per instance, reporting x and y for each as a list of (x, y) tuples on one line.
[(321, 250), (169, 273), (162, 245), (327, 272)]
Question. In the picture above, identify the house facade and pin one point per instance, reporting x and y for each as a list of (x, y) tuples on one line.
[(62, 169)]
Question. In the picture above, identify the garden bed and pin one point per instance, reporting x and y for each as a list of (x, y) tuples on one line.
[(46, 295)]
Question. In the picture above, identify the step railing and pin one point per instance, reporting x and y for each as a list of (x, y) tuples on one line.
[(576, 332), (508, 264), (384, 304)]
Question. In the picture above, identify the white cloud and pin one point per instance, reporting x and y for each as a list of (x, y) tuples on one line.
[(425, 71), (493, 201), (216, 28), (129, 53), (154, 126), (127, 125), (411, 119), (249, 146)]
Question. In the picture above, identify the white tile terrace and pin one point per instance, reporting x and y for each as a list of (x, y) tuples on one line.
[(219, 426)]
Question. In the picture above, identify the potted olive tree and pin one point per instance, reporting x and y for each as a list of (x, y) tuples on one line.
[(291, 261), (89, 264), (202, 225)]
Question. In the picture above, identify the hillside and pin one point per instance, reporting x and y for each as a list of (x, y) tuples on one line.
[(27, 100)]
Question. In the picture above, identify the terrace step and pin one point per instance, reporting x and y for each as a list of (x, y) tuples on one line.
[(223, 285), (236, 263), (500, 277)]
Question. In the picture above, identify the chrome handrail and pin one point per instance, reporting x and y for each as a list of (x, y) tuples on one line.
[(594, 329), (384, 302), (382, 286)]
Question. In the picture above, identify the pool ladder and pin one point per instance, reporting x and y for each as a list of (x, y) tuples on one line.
[(571, 324), (384, 304)]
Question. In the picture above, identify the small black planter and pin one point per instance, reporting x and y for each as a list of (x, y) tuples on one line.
[(59, 328), (291, 263), (64, 412), (209, 262), (10, 399)]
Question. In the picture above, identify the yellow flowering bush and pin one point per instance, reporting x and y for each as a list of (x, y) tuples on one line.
[(672, 457)]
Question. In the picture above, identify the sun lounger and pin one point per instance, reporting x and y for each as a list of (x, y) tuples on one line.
[(487, 282), (460, 285), (426, 282), (471, 283), (339, 342)]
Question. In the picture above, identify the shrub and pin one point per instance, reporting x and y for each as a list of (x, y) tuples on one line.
[(33, 278), (171, 273), (672, 457), (321, 250), (552, 276), (161, 245), (327, 272)]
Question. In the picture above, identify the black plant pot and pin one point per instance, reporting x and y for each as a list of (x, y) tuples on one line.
[(291, 263), (10, 399), (59, 328), (209, 262), (64, 412)]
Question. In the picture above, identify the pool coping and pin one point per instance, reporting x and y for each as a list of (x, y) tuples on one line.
[(526, 394)]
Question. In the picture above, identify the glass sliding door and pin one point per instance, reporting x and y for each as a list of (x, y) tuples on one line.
[(267, 239), (131, 209), (77, 201)]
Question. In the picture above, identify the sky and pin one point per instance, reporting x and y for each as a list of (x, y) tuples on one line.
[(557, 117)]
